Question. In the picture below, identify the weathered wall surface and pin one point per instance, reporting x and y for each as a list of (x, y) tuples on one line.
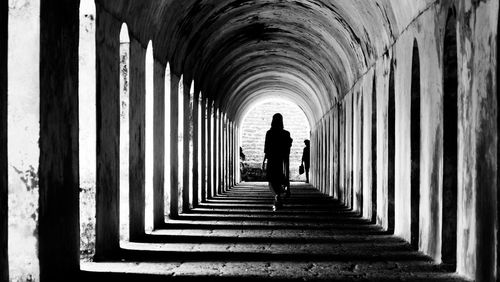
[(477, 141), (4, 258), (478, 132)]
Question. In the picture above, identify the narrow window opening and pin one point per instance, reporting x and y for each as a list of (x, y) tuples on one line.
[(191, 147), (450, 83), (87, 120), (391, 149), (23, 119), (167, 183), (124, 132), (415, 147), (180, 145), (374, 149), (200, 144)]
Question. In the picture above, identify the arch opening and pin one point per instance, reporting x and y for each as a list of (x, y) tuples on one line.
[(180, 145), (124, 132), (23, 134), (450, 127), (254, 126), (87, 134), (391, 151), (415, 146), (374, 149), (168, 127)]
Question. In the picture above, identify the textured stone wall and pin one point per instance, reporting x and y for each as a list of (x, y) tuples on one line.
[(258, 121), (477, 138)]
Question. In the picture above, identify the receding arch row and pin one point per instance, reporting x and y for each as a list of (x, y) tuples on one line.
[(215, 38)]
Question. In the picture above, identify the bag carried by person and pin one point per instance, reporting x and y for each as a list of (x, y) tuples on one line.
[(301, 169)]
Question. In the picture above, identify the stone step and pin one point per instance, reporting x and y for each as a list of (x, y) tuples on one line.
[(240, 271), (236, 236)]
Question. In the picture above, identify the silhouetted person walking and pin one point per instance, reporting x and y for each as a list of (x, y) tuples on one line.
[(277, 152), (305, 158)]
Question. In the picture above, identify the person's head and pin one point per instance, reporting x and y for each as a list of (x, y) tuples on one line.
[(277, 122), (307, 142)]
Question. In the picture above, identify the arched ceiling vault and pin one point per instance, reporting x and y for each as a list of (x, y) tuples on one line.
[(239, 51)]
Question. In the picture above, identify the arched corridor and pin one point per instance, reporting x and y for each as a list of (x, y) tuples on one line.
[(401, 101)]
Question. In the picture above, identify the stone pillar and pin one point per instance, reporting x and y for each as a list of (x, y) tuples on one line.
[(341, 153), (313, 168), (222, 162), (209, 149), (58, 232), (325, 154), (174, 145), (216, 164), (203, 141), (231, 154), (331, 151), (195, 147), (335, 152), (159, 145), (185, 151), (321, 144), (137, 195), (4, 259), (226, 153), (107, 135)]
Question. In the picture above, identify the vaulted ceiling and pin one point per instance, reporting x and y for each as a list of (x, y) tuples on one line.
[(239, 51)]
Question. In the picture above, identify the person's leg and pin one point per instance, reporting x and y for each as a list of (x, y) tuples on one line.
[(307, 175), (287, 178)]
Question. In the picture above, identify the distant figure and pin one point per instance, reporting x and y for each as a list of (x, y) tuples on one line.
[(277, 152), (242, 155), (242, 165), (305, 158)]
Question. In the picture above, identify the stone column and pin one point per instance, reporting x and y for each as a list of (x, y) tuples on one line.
[(185, 151), (341, 141), (174, 145), (108, 134), (222, 148), (137, 196), (312, 171), (222, 161), (203, 141), (209, 149), (226, 153), (4, 259), (336, 152), (236, 154), (324, 141), (231, 154), (59, 236), (330, 154), (159, 145), (216, 158), (195, 147), (321, 157)]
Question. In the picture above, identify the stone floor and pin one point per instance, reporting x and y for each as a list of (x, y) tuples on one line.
[(237, 237)]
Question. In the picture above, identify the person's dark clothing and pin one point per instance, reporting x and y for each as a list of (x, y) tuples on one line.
[(277, 150), (306, 161), (305, 157)]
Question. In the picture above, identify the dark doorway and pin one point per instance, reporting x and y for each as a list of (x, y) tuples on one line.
[(415, 146), (450, 83), (391, 149), (374, 149)]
